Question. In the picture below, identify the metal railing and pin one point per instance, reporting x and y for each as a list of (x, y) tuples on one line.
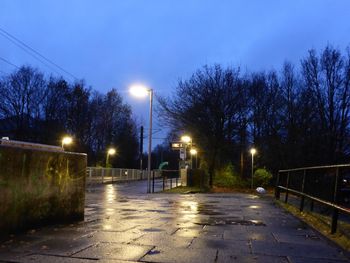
[(321, 184), (110, 175), (171, 179)]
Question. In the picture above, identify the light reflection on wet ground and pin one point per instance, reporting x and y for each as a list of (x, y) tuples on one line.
[(123, 223)]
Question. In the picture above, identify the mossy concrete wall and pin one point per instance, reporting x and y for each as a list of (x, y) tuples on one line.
[(40, 187)]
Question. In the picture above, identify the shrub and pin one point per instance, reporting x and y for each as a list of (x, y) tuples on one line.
[(227, 177), (262, 177)]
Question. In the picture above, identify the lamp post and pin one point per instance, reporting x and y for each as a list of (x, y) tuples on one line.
[(66, 141), (193, 152), (142, 91), (188, 140), (111, 151), (252, 151)]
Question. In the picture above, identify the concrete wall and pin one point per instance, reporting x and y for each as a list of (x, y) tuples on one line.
[(39, 187)]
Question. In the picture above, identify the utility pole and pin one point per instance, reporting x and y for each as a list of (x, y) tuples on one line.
[(141, 149)]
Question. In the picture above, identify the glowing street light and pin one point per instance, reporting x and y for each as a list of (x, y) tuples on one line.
[(111, 151), (252, 152), (141, 91), (186, 139), (66, 141), (193, 151)]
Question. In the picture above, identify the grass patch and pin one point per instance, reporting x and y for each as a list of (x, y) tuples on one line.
[(322, 224)]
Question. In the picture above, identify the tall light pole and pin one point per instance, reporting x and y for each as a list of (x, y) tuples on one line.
[(252, 151), (66, 141), (111, 151), (193, 152), (142, 91)]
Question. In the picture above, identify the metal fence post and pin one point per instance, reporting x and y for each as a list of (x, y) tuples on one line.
[(171, 182), (335, 200), (153, 182), (277, 190), (287, 186), (312, 205), (103, 174), (302, 190)]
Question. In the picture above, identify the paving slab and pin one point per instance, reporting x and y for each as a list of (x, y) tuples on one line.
[(181, 255), (295, 250), (37, 258), (162, 240), (231, 256), (315, 260), (114, 251)]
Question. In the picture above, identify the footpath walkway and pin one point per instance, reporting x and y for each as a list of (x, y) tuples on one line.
[(122, 224)]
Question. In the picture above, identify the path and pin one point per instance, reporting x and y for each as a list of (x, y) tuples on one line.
[(122, 224)]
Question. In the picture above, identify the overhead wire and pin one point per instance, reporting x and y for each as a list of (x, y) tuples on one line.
[(34, 56), (31, 51), (8, 62)]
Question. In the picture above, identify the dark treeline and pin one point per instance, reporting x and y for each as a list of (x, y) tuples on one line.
[(296, 117), (38, 109)]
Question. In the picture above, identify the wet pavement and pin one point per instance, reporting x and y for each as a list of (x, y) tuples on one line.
[(123, 224)]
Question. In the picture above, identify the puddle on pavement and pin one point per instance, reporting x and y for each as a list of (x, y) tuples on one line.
[(156, 211), (210, 213), (132, 217), (225, 196), (230, 221), (128, 210), (152, 230), (153, 252), (313, 237)]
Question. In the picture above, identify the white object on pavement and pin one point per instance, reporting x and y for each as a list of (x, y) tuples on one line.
[(261, 190)]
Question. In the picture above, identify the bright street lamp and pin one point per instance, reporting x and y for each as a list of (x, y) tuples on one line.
[(111, 151), (186, 139), (66, 141), (252, 152), (141, 91), (193, 151)]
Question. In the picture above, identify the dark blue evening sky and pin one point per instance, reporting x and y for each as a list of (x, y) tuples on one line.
[(115, 43)]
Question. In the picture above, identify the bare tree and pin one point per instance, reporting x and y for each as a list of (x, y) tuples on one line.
[(22, 94)]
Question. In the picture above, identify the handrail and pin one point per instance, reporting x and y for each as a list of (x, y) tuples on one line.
[(335, 190), (314, 167), (333, 205)]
